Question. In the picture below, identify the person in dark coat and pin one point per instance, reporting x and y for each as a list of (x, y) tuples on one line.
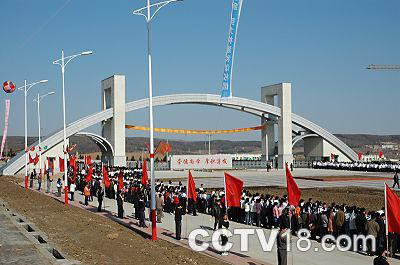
[(396, 180), (382, 231), (281, 245), (120, 204), (100, 195), (361, 221), (381, 259), (31, 178), (224, 223), (218, 213), (178, 221), (141, 212)]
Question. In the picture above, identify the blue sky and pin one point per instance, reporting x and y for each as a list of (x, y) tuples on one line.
[(321, 46)]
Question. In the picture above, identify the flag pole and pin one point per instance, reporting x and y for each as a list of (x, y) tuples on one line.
[(226, 201), (187, 198), (290, 233), (104, 187), (387, 223)]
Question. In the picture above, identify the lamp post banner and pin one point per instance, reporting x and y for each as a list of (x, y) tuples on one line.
[(3, 142), (230, 51)]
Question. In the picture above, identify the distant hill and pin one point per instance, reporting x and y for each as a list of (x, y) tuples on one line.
[(359, 140), (137, 144)]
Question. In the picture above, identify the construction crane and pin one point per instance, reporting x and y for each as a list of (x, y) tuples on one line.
[(383, 67)]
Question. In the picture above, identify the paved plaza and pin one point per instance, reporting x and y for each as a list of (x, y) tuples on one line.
[(253, 178)]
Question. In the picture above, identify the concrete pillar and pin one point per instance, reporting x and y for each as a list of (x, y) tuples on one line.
[(113, 96), (268, 139), (285, 154), (268, 132), (264, 140), (283, 92)]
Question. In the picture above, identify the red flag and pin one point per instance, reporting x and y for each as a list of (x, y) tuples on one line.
[(359, 155), (233, 190), (72, 161), (88, 160), (380, 154), (392, 211), (163, 148), (90, 174), (106, 179), (31, 160), (51, 165), (191, 188), (145, 177), (293, 190), (36, 159), (61, 164), (120, 180), (69, 149)]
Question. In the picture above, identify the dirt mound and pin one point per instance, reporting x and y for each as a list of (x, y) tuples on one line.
[(90, 238)]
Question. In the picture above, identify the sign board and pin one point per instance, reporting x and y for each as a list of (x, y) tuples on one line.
[(222, 161)]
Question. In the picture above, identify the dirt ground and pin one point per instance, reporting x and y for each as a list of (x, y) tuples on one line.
[(370, 199), (93, 239)]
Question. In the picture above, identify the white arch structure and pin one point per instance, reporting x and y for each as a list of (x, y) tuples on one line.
[(104, 145), (241, 104)]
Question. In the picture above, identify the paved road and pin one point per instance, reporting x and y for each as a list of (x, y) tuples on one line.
[(277, 178), (15, 247), (311, 257)]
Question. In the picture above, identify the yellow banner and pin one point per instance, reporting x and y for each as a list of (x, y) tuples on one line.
[(183, 131)]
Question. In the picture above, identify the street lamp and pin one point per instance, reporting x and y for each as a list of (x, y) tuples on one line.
[(26, 88), (38, 99), (149, 16), (63, 63)]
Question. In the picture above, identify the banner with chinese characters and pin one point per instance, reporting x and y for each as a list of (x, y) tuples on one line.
[(230, 51), (221, 161)]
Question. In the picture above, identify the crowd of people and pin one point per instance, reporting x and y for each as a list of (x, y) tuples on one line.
[(260, 210), (358, 166)]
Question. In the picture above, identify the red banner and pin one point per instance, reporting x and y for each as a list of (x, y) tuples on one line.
[(233, 190), (106, 179), (293, 190), (90, 174), (393, 211), (191, 188), (61, 164), (145, 177)]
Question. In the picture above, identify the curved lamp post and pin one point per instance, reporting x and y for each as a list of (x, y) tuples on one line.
[(38, 99), (26, 88), (149, 15), (63, 61)]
